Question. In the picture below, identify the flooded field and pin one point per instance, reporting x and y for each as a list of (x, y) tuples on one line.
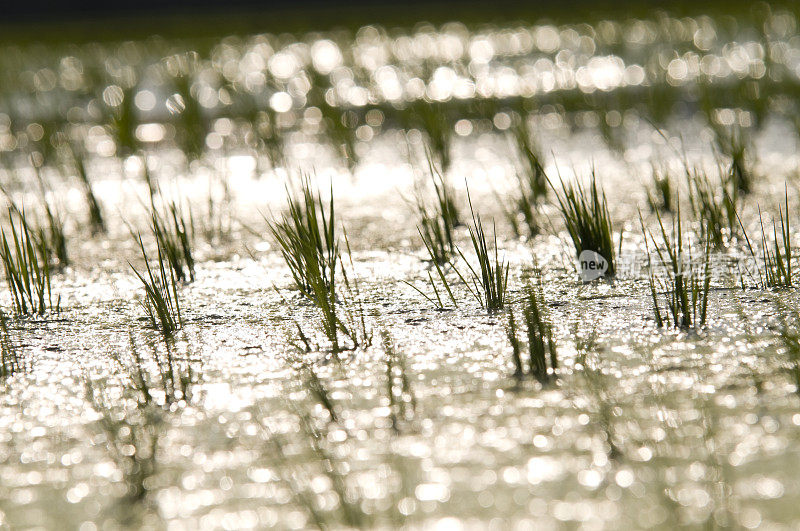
[(457, 277)]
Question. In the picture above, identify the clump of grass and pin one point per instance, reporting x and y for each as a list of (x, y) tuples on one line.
[(26, 262), (96, 218), (122, 122), (542, 352), (432, 119), (588, 222), (340, 125), (310, 248), (192, 125), (686, 292), (269, 135), (174, 237), (777, 263), (734, 144), (713, 205), (10, 358), (525, 204), (437, 225), (531, 182), (161, 304), (489, 286), (660, 193), (307, 240)]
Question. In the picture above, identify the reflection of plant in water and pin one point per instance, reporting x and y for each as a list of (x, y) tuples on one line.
[(309, 452), (539, 332), (337, 469), (717, 475), (402, 402), (133, 416), (602, 402), (789, 338), (10, 358)]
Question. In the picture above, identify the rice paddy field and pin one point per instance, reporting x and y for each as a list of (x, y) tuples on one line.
[(529, 275)]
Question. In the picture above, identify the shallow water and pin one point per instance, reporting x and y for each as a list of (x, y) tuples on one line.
[(641, 428)]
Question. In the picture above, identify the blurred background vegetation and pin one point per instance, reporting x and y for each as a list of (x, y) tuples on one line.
[(47, 21)]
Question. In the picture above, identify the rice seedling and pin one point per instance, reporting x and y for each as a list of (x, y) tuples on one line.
[(96, 219), (308, 242), (777, 260), (432, 119), (121, 114), (532, 178), (436, 300), (588, 222), (147, 175), (174, 237), (216, 222), (270, 137), (51, 232), (26, 262), (161, 304), (340, 125), (436, 226), (660, 193), (10, 358), (734, 144), (531, 183), (489, 286), (713, 205), (488, 283), (354, 324), (310, 248), (685, 288), (192, 125), (524, 204)]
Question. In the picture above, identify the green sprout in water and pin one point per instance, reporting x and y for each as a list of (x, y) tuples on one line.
[(686, 291), (588, 222), (26, 261), (161, 302)]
